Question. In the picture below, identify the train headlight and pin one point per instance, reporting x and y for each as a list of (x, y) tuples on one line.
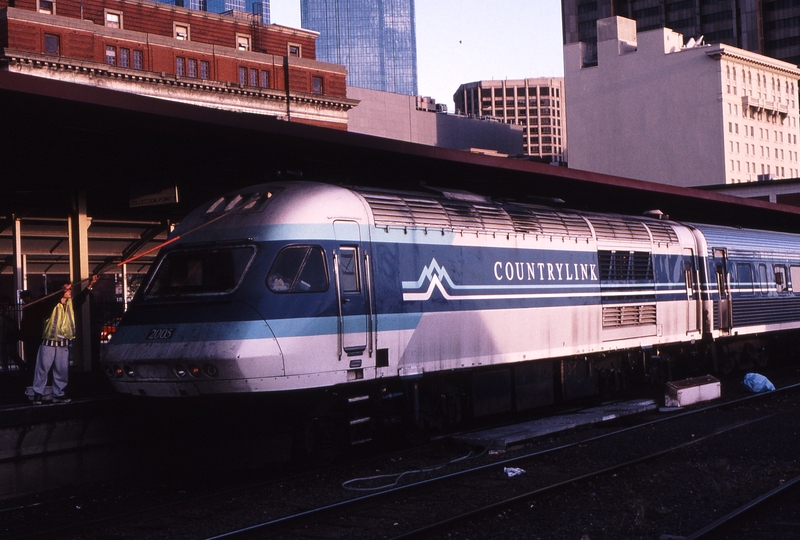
[(180, 371), (211, 370), (118, 372), (128, 371), (194, 371)]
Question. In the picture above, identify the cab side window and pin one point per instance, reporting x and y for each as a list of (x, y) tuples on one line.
[(348, 270), (298, 269)]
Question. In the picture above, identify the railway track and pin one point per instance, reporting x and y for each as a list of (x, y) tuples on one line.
[(771, 515), (435, 506), (452, 496)]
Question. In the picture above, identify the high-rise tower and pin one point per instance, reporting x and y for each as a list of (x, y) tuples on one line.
[(768, 27), (375, 40)]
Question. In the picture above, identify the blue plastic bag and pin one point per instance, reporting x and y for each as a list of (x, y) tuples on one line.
[(757, 383)]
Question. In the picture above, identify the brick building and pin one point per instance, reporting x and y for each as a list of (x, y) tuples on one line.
[(230, 61)]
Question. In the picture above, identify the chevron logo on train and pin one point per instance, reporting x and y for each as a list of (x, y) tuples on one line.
[(509, 281)]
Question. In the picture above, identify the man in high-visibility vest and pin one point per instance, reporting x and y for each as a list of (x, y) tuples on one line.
[(59, 330)]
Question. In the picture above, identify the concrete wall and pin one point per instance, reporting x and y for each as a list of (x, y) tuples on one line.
[(648, 110), (395, 116)]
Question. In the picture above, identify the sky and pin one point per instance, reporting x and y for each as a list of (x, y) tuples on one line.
[(462, 41)]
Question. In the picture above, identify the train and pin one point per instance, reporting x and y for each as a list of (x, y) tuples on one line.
[(441, 305)]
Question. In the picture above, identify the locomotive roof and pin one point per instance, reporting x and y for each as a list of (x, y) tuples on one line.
[(461, 211)]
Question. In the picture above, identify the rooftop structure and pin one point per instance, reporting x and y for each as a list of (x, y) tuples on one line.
[(259, 8), (421, 120)]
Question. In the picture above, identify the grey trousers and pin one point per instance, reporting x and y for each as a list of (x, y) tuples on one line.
[(58, 359)]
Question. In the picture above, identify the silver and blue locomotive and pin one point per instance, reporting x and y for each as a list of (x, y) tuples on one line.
[(478, 305)]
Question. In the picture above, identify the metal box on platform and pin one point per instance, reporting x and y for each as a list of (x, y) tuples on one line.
[(690, 391)]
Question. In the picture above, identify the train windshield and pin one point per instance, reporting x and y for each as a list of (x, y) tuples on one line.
[(200, 271)]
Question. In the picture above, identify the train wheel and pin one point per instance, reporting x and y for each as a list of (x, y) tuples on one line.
[(726, 360), (760, 356)]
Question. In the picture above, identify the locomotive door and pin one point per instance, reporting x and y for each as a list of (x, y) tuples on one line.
[(723, 289), (691, 280), (352, 288)]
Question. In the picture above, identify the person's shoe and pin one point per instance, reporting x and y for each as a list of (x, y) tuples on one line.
[(61, 399), (37, 399)]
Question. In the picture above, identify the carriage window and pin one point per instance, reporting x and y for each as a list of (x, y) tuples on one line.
[(200, 271), (795, 275), (348, 270), (762, 278), (780, 278), (298, 269), (745, 278)]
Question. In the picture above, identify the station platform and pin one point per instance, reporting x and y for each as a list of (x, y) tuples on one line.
[(503, 437)]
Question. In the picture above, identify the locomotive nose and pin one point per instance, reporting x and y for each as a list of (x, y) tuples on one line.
[(190, 359)]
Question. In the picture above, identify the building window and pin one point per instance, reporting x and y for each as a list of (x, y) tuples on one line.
[(316, 85), (138, 60), (253, 77), (294, 50), (124, 57), (242, 76), (181, 31), (191, 68), (113, 19), (204, 69), (52, 44), (180, 66), (265, 79), (111, 55), (242, 42), (46, 6)]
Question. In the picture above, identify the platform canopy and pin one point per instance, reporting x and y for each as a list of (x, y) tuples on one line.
[(120, 150)]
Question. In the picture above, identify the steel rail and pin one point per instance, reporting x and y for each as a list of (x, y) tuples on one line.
[(424, 532), (343, 507), (709, 530)]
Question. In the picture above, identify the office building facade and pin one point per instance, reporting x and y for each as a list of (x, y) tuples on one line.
[(228, 62), (374, 39), (768, 27), (535, 104), (655, 109)]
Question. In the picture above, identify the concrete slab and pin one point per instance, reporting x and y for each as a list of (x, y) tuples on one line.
[(503, 437)]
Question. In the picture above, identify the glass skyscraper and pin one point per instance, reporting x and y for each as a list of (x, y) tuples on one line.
[(375, 39)]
